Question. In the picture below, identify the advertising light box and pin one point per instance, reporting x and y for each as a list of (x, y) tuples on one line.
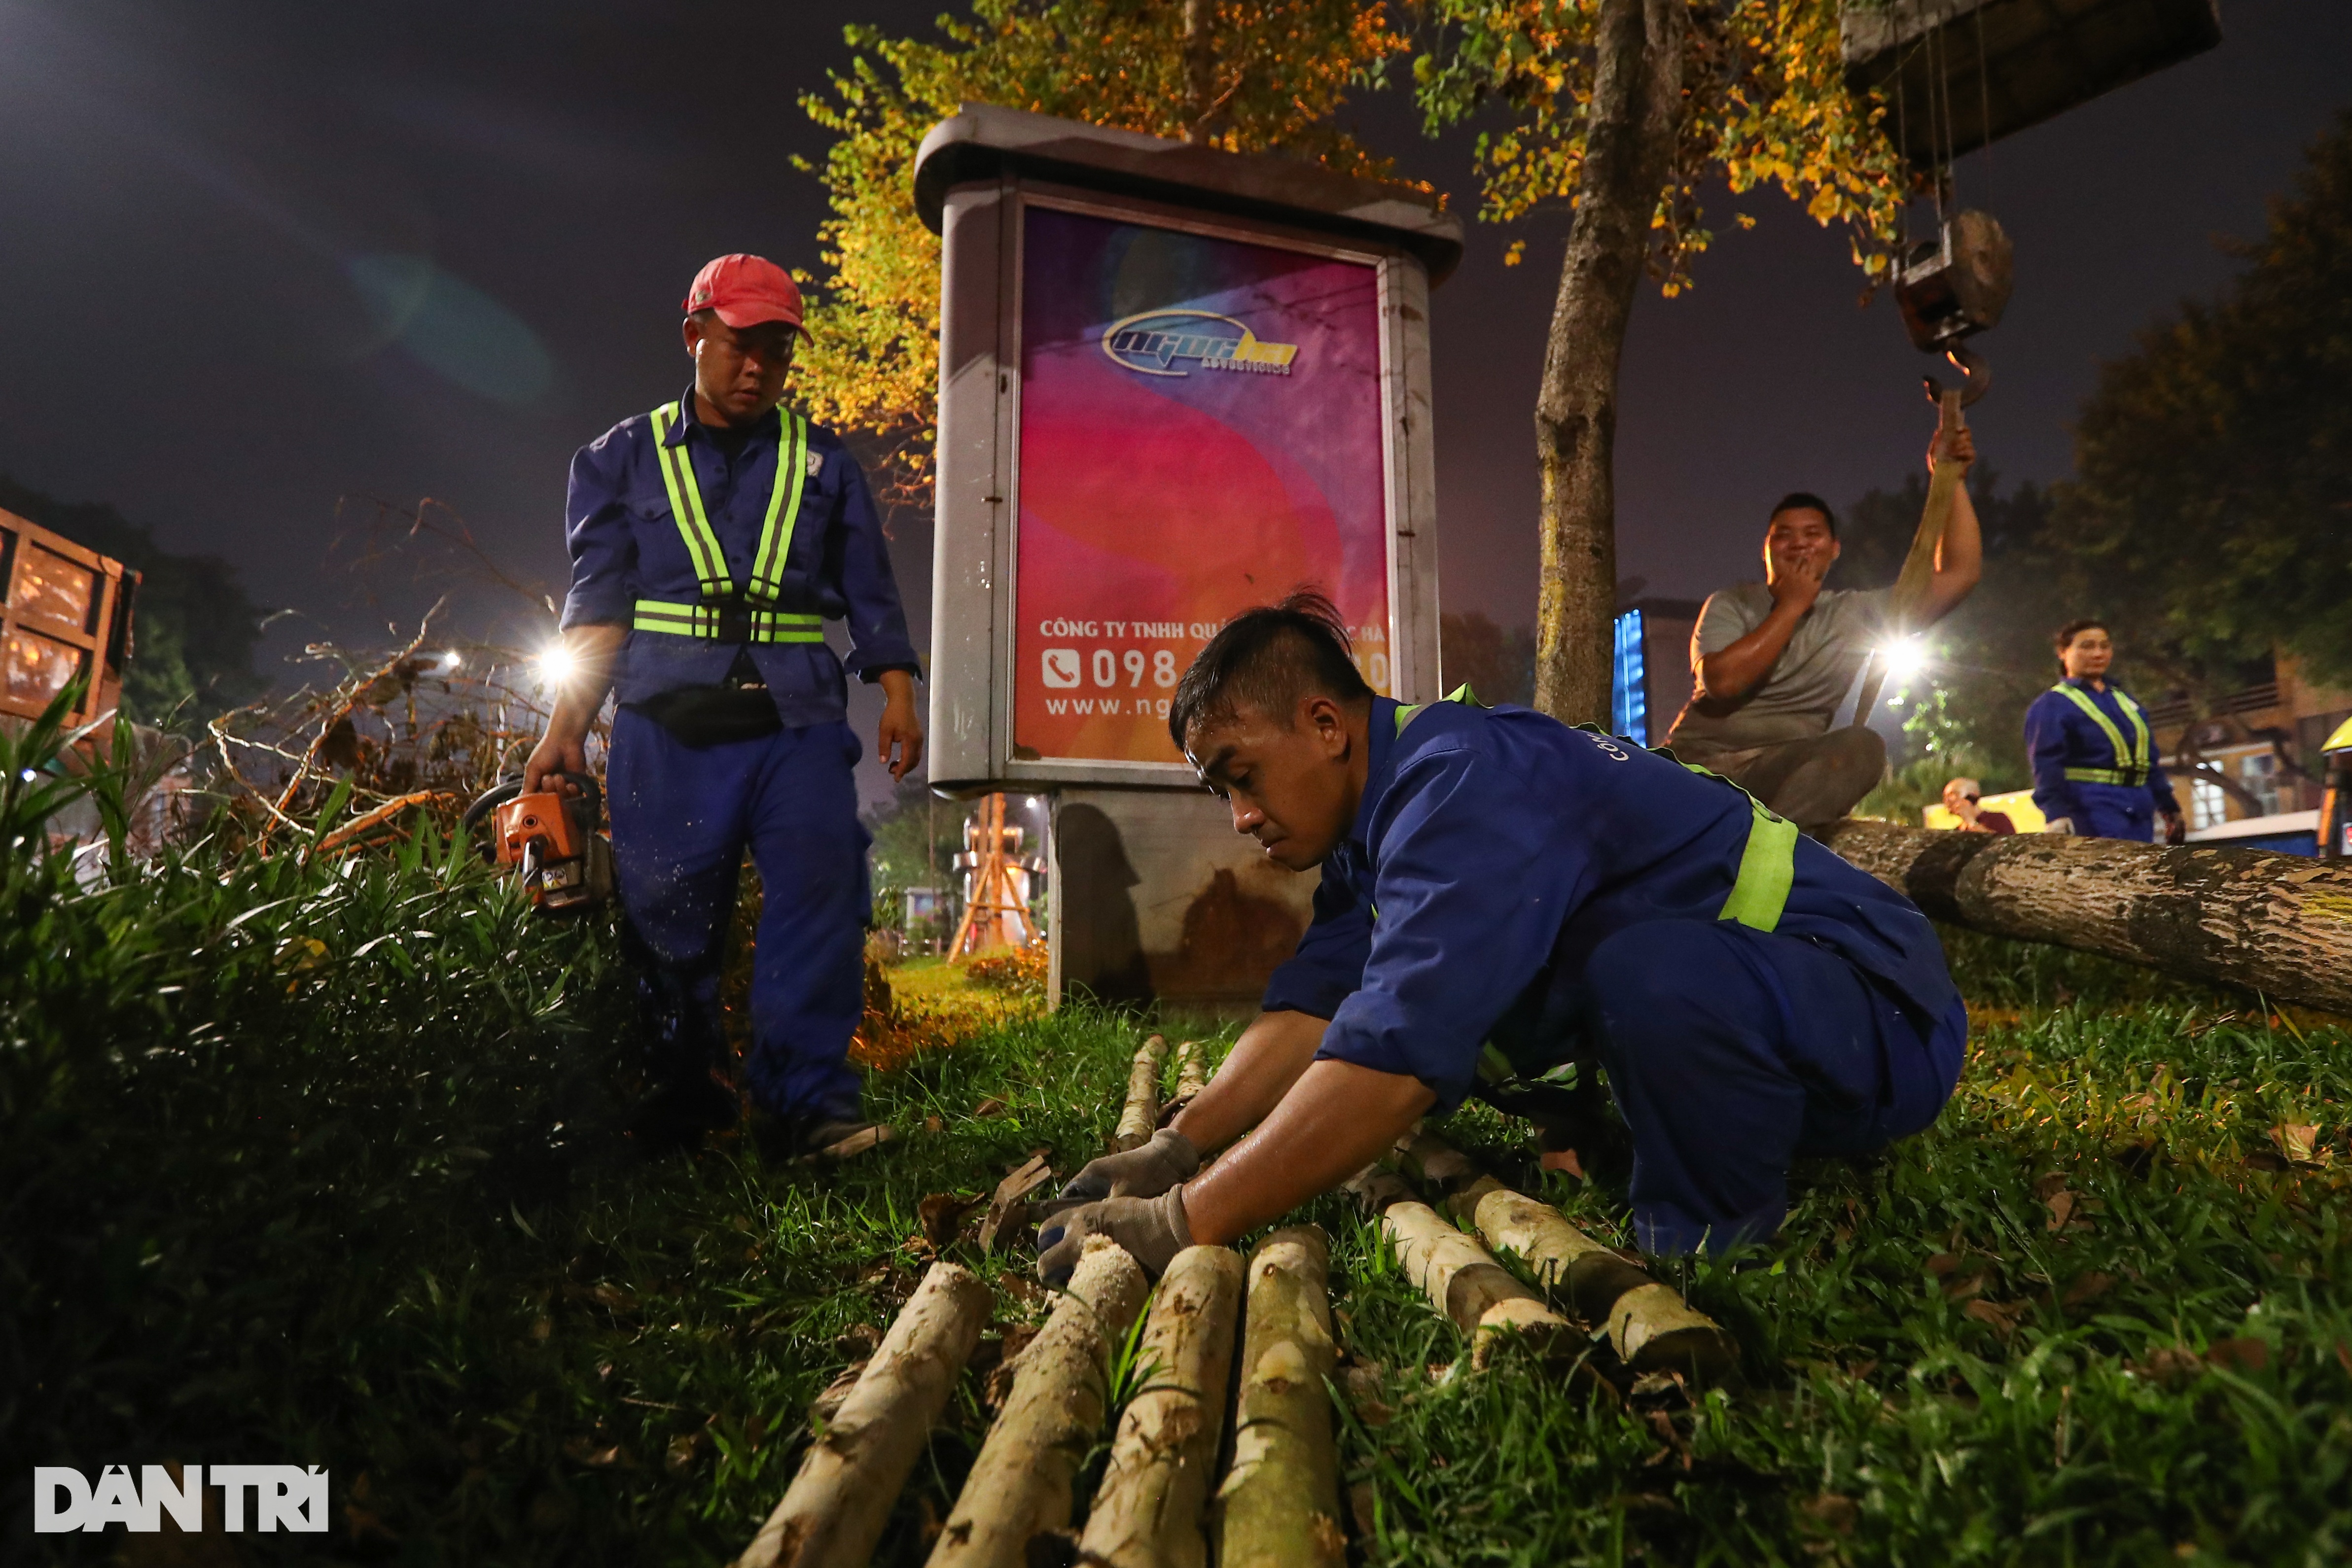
[(1157, 412), (1200, 430)]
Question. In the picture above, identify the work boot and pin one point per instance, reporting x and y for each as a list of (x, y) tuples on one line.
[(816, 1138)]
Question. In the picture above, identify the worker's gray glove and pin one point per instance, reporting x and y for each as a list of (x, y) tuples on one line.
[(1145, 1171), (2064, 826), (1152, 1229)]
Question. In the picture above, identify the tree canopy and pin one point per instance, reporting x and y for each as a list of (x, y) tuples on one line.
[(1244, 75), (1764, 101), (2213, 489)]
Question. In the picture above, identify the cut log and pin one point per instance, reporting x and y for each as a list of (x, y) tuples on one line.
[(1142, 1113), (1191, 1069), (1463, 1281), (1650, 1326), (1021, 1485), (1280, 1505), (1146, 1514), (2278, 924), (834, 1511)]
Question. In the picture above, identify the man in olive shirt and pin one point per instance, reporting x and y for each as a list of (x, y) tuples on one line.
[(1772, 660)]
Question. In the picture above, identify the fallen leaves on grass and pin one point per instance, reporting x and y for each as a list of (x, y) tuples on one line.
[(595, 1455), (1999, 1316), (1830, 1511), (2298, 1141), (1008, 1208), (2086, 1287), (942, 1213)]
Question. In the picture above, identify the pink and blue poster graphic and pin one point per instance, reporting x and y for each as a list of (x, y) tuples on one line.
[(1201, 424)]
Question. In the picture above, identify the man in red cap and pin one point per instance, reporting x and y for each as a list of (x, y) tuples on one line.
[(710, 540)]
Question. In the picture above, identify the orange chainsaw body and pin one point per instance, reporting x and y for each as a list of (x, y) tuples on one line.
[(552, 838)]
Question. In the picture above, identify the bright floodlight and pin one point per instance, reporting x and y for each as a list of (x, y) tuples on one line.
[(452, 660), (1907, 659), (556, 664)]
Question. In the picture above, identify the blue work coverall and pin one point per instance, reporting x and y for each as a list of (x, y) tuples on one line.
[(1516, 895), (2078, 773), (683, 814)]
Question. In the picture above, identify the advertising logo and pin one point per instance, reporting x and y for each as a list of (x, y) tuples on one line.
[(284, 1497), (1154, 340)]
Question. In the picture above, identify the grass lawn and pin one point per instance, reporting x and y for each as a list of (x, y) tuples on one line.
[(314, 1163)]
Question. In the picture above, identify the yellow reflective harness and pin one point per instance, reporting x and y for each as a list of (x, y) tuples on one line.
[(1767, 865), (2132, 762), (722, 614)]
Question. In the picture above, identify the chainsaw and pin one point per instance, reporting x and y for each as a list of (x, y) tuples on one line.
[(553, 840)]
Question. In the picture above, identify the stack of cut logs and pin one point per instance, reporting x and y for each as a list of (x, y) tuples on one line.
[(1279, 1501)]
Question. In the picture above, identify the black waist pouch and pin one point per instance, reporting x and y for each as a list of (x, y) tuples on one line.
[(713, 716)]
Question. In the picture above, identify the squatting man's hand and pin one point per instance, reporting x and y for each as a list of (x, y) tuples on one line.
[(1145, 1171), (1151, 1229)]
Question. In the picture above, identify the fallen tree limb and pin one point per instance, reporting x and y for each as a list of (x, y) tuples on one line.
[(1280, 1505), (1142, 1111), (1463, 1281), (834, 1511), (1146, 1514), (2278, 924), (1650, 1326), (1021, 1485), (383, 814)]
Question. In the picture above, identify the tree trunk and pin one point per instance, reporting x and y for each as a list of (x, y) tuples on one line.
[(1021, 1485), (834, 1511), (1146, 1514), (1280, 1505), (1200, 71), (1142, 1114), (1628, 153), (2278, 924)]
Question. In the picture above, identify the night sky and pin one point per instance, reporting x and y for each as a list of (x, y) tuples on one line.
[(261, 258)]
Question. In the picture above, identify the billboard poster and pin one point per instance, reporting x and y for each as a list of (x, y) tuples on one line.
[(1201, 427)]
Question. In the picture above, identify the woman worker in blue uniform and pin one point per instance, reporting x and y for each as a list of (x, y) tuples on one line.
[(2094, 762), (710, 540), (1502, 894)]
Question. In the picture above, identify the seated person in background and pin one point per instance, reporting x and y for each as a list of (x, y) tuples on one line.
[(1773, 660), (1961, 798), (2094, 762)]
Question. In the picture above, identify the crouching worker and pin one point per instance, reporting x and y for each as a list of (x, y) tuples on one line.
[(1502, 895)]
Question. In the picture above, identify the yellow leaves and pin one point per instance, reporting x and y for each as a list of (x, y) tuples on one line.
[(1515, 253), (1289, 65), (1764, 101)]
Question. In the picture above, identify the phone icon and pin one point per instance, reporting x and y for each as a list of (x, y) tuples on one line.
[(1061, 667)]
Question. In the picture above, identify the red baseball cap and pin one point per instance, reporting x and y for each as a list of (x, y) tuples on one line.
[(746, 290)]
